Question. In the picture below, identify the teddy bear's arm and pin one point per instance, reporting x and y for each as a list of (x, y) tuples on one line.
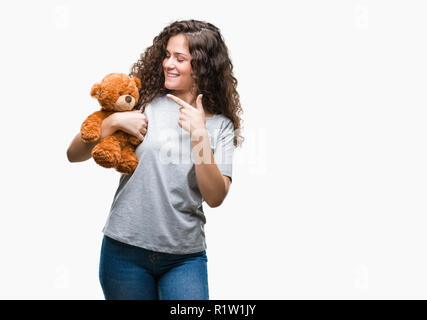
[(90, 130)]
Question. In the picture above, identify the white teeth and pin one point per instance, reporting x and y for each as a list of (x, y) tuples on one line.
[(173, 75)]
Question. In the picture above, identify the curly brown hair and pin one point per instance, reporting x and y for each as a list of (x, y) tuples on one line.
[(212, 70)]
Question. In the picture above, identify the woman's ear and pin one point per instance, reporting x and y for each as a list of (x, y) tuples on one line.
[(137, 82), (96, 91)]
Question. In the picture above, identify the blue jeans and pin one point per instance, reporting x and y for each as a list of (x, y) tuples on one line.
[(128, 272)]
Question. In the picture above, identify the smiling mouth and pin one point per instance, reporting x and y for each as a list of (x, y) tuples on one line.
[(172, 75)]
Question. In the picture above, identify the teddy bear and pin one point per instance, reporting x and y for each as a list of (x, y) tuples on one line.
[(117, 92)]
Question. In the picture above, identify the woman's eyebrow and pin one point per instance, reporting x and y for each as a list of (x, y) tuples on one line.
[(177, 53)]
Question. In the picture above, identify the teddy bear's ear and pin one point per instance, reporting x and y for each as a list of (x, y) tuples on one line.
[(96, 91), (138, 82)]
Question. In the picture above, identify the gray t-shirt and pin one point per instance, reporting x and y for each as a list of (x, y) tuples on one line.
[(159, 206)]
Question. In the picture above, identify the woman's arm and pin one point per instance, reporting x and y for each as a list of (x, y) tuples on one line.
[(81, 151), (133, 122), (212, 184)]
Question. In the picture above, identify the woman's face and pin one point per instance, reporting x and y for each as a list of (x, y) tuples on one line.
[(176, 65)]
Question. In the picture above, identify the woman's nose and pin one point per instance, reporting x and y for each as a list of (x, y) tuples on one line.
[(168, 63)]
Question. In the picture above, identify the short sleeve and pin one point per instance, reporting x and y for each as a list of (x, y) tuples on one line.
[(224, 149)]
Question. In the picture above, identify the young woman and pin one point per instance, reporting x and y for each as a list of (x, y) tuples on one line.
[(154, 241)]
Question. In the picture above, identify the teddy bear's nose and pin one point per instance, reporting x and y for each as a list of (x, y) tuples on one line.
[(128, 99)]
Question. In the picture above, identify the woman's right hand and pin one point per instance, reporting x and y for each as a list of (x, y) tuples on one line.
[(133, 122)]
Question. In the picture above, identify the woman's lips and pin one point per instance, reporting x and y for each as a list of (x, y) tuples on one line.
[(172, 75)]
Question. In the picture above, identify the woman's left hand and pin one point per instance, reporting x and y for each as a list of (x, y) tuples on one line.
[(192, 119)]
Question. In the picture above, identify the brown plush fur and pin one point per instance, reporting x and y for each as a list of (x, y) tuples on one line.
[(116, 92)]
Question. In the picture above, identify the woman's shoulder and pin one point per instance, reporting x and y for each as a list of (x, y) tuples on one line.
[(225, 121), (220, 122), (219, 117), (159, 99)]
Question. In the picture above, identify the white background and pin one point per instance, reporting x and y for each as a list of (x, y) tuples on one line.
[(328, 198)]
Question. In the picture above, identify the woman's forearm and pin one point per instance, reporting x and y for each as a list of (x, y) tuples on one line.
[(81, 151), (209, 178)]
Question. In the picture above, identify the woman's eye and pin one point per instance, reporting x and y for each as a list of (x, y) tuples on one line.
[(167, 57)]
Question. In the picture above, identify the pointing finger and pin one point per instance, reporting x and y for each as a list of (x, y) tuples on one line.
[(178, 100)]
